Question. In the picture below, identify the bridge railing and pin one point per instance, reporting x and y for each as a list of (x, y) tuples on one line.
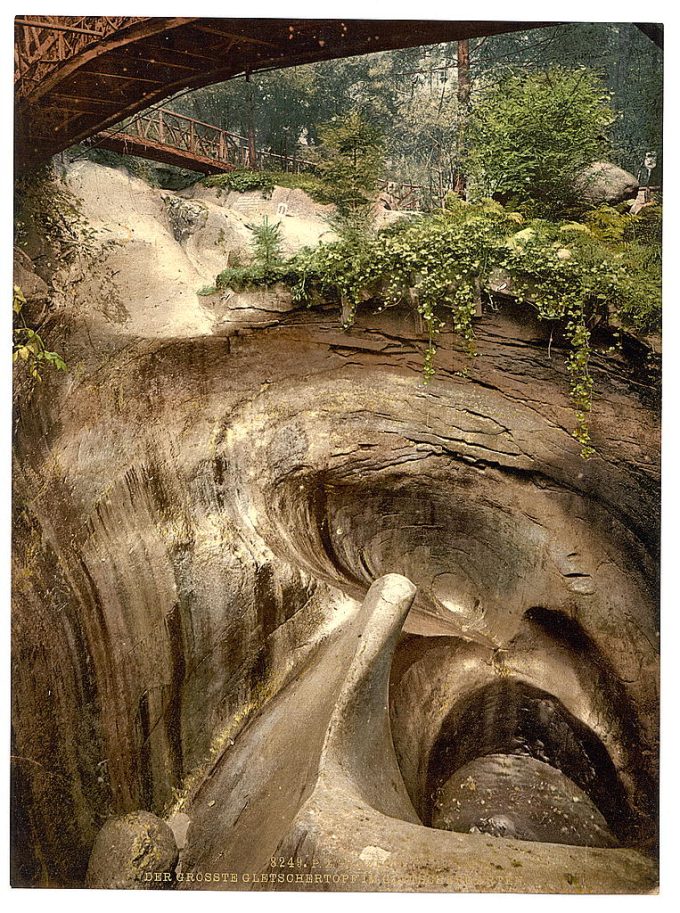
[(406, 196), (164, 127), (161, 127), (43, 43)]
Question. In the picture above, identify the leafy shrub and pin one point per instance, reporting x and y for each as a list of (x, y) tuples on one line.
[(241, 277), (267, 262), (242, 181), (606, 223), (312, 184), (641, 258), (646, 227), (530, 135), (28, 346), (443, 263), (635, 243)]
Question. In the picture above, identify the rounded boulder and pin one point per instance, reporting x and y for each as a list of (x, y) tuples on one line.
[(137, 850)]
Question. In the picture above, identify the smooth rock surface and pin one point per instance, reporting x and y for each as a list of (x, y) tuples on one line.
[(519, 797), (603, 182)]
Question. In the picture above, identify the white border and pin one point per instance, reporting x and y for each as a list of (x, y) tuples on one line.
[(576, 10)]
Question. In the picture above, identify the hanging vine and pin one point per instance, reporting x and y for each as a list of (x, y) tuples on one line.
[(571, 273)]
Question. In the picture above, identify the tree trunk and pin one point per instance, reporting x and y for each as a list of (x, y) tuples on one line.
[(252, 151), (463, 104)]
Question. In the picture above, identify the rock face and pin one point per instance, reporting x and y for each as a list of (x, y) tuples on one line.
[(489, 796), (202, 504), (360, 828), (135, 851), (34, 288), (186, 218), (603, 182)]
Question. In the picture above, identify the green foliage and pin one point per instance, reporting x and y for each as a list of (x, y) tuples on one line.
[(266, 267), (646, 227), (411, 95), (241, 277), (606, 223), (630, 64), (443, 264), (28, 347), (530, 136), (312, 184), (634, 245), (48, 220), (353, 161), (267, 244), (48, 226), (242, 181), (640, 255)]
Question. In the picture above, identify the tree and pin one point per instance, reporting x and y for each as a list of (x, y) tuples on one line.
[(415, 95), (353, 162), (530, 135), (629, 62), (267, 245), (464, 87)]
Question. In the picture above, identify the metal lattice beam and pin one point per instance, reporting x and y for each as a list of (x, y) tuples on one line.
[(77, 76)]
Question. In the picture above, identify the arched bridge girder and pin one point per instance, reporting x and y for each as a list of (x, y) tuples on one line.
[(76, 76)]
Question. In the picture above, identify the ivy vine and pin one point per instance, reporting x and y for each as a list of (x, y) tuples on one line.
[(28, 346), (574, 274)]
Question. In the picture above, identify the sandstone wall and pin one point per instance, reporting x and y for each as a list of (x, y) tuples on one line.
[(199, 500)]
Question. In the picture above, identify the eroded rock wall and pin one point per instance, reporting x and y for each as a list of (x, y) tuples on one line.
[(201, 499)]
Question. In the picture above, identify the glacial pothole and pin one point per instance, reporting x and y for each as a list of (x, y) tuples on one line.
[(530, 686), (509, 760), (517, 796), (196, 506)]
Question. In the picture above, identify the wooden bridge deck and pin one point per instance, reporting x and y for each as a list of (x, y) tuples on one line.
[(76, 76), (176, 139), (126, 144), (166, 136)]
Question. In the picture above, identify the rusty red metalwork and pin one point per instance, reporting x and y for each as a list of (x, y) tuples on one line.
[(44, 43), (176, 139), (76, 76)]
